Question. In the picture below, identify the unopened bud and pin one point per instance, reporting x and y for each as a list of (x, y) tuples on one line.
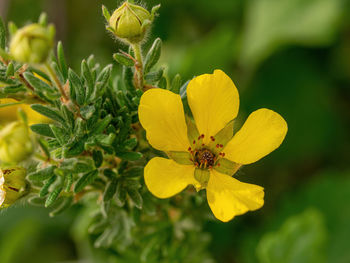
[(130, 22), (15, 143), (32, 43), (13, 185)]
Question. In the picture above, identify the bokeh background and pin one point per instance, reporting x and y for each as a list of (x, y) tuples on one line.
[(292, 56)]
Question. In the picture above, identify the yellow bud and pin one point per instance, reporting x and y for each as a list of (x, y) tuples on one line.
[(15, 143), (130, 22), (13, 185), (32, 43)]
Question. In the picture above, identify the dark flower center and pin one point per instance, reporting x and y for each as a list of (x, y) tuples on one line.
[(204, 158)]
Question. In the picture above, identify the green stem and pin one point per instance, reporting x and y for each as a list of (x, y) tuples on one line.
[(138, 76), (54, 77)]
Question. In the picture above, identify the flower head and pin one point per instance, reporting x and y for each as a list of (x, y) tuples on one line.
[(205, 153), (15, 143), (130, 22), (12, 185), (32, 43)]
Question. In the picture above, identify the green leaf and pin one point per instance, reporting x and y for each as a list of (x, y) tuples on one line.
[(129, 156), (100, 126), (106, 13), (37, 83), (134, 172), (123, 59), (153, 55), (45, 189), (136, 197), (88, 78), (51, 199), (48, 112), (64, 205), (110, 190), (76, 84), (285, 246), (45, 147), (61, 60), (43, 19), (74, 148), (10, 71), (163, 83), (85, 180), (60, 134), (97, 156), (176, 84), (181, 157), (2, 34), (155, 76), (42, 129), (271, 25), (43, 174), (120, 194)]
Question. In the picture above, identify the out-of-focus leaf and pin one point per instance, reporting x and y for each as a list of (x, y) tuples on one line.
[(271, 24), (301, 239)]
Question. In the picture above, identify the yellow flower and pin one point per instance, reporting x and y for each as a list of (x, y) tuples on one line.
[(206, 154), (9, 113), (13, 185)]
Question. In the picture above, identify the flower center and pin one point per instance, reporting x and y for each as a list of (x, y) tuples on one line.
[(204, 158)]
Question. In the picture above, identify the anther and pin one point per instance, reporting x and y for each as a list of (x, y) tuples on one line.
[(202, 136), (212, 138), (189, 149), (218, 164), (194, 142), (217, 146), (203, 144)]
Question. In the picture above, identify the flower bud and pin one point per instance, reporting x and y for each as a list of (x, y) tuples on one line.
[(130, 22), (13, 185), (32, 43), (15, 143)]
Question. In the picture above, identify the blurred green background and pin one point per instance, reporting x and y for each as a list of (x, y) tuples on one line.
[(292, 56)]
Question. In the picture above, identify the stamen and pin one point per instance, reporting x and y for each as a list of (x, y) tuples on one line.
[(194, 142), (221, 146), (218, 145), (189, 149), (212, 138)]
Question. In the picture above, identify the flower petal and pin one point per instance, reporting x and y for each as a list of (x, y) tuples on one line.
[(162, 116), (228, 197), (214, 101), (165, 178), (262, 133)]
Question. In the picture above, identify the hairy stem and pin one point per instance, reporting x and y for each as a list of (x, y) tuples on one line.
[(54, 77), (138, 76)]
